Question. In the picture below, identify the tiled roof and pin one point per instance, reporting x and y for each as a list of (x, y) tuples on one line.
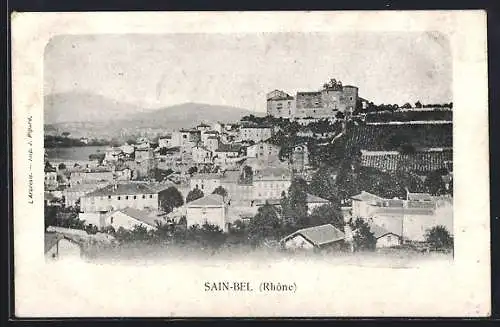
[(209, 201), (122, 189), (228, 148), (315, 199), (366, 196), (319, 235), (84, 187), (379, 231), (141, 215)]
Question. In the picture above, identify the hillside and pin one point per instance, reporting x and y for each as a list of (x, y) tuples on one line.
[(84, 107), (392, 137), (149, 122)]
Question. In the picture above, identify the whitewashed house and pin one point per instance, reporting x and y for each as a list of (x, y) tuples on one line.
[(210, 209)]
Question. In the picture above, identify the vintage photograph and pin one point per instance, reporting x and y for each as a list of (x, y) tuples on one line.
[(332, 144), (172, 169)]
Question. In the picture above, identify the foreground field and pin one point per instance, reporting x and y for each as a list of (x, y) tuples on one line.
[(144, 254)]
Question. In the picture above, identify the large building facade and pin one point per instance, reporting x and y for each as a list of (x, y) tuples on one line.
[(325, 103)]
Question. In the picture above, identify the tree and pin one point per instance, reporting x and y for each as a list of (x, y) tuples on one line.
[(323, 183), (170, 198), (295, 205), (220, 190), (434, 183), (406, 106), (212, 236), (418, 104), (326, 214), (194, 195), (61, 166), (264, 226), (439, 237), (246, 176), (192, 170), (340, 115), (65, 134), (363, 237)]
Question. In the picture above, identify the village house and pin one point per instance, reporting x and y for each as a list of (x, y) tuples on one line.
[(206, 182), (95, 205), (74, 193), (185, 138), (227, 154), (90, 176), (165, 141), (128, 218), (385, 238), (411, 217), (210, 209), (212, 143), (202, 127), (239, 189), (254, 132), (112, 154), (143, 152), (264, 151), (50, 180), (201, 155), (270, 183), (317, 237), (128, 151)]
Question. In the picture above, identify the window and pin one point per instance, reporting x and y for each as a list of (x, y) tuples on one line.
[(143, 196), (151, 196), (126, 197), (388, 238), (119, 198), (350, 98), (135, 197), (109, 197), (112, 219)]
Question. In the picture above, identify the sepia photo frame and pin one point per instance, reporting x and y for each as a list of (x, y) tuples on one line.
[(314, 296)]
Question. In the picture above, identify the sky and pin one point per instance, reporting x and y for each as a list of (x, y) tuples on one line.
[(159, 70)]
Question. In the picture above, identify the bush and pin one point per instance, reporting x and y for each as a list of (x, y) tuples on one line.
[(439, 238)]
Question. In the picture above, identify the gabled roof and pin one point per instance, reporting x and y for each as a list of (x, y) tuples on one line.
[(140, 215), (211, 200), (366, 196), (315, 199), (319, 235), (122, 189), (379, 231)]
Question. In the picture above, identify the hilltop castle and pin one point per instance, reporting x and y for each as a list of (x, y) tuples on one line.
[(326, 103)]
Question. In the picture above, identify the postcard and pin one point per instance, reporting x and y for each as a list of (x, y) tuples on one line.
[(251, 164)]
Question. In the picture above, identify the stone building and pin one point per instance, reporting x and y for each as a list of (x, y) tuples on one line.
[(325, 103)]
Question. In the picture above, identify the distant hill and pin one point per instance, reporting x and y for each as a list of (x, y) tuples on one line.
[(120, 120), (84, 107), (188, 115)]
